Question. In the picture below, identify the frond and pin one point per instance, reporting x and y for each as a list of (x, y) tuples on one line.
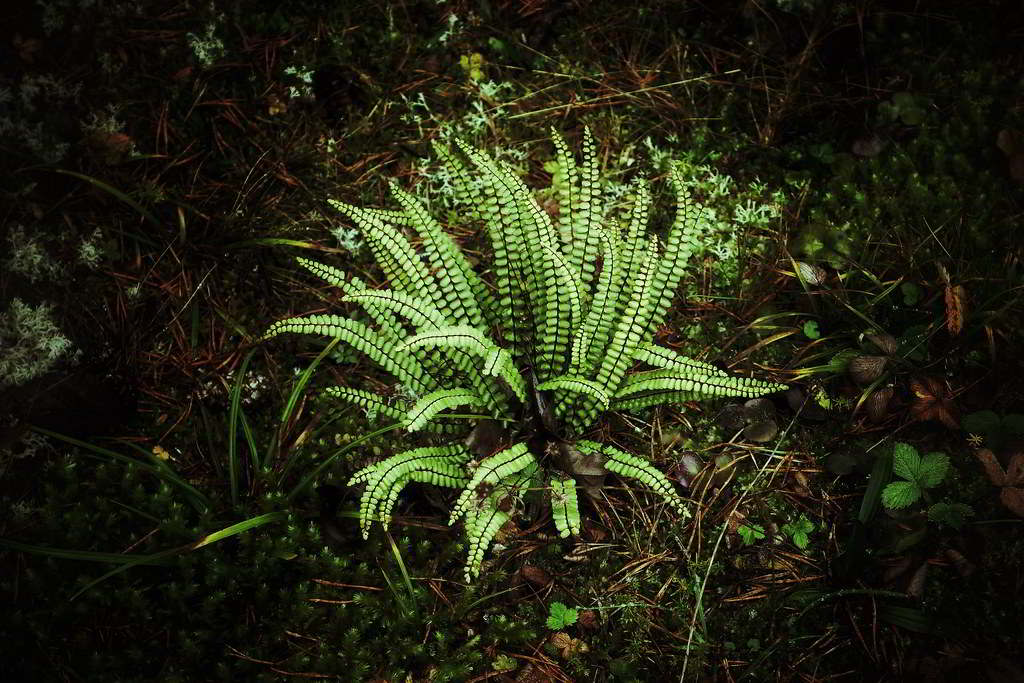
[(491, 471), (684, 239), (433, 403), (368, 400), (458, 285), (468, 348), (668, 359), (601, 315), (392, 251), (563, 302), (485, 521), (577, 385), (403, 366), (699, 383), (626, 465), (420, 312), (386, 479), (648, 400), (565, 506)]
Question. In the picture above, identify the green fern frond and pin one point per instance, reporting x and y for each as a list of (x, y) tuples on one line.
[(565, 506), (420, 312), (577, 385), (483, 522), (668, 359), (368, 400), (402, 265), (707, 385), (646, 401), (626, 465), (403, 366), (433, 403), (491, 471), (458, 285), (386, 479)]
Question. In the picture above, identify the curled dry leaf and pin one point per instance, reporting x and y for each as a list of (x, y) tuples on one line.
[(810, 273), (588, 620), (956, 305), (963, 566), (877, 405), (885, 342), (866, 369), (1013, 498)]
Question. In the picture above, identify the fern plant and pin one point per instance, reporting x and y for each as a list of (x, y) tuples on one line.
[(543, 348)]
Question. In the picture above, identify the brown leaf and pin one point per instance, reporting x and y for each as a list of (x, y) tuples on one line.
[(588, 620), (956, 303), (568, 646), (866, 369), (1013, 499), (993, 469), (535, 575), (877, 404), (1015, 470), (933, 401)]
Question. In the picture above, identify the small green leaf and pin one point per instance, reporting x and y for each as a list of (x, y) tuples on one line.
[(983, 423), (1013, 424), (906, 462), (951, 514), (751, 533), (560, 616), (934, 467), (911, 293), (798, 531), (812, 329), (900, 494)]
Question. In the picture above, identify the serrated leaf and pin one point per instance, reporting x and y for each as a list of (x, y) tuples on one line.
[(560, 616), (951, 514), (906, 462), (900, 494), (932, 470)]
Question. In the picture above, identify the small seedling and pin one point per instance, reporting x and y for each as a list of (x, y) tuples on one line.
[(918, 474), (560, 616), (798, 531), (751, 533)]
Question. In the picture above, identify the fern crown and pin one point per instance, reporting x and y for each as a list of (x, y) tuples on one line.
[(539, 349)]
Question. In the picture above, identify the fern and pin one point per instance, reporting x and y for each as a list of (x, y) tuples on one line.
[(545, 345)]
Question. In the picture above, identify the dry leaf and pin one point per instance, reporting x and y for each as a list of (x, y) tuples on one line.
[(933, 401), (956, 297), (1013, 499), (993, 469), (866, 369), (588, 620), (568, 646), (877, 404), (1015, 471), (535, 575)]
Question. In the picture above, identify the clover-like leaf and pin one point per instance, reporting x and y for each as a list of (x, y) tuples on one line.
[(900, 494), (905, 461), (933, 469), (560, 616)]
